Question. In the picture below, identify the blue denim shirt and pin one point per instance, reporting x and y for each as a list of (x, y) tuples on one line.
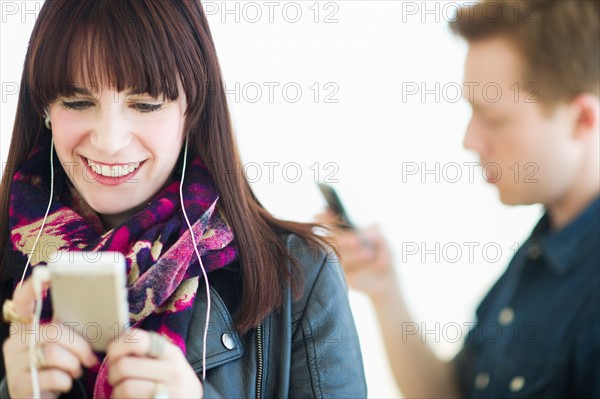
[(538, 330)]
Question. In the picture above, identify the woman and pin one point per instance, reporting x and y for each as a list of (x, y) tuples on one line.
[(119, 94)]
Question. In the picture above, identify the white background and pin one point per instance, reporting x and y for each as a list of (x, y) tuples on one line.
[(360, 134)]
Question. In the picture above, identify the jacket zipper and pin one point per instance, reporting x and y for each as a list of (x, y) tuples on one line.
[(260, 360)]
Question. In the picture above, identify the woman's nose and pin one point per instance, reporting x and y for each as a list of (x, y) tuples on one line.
[(111, 133)]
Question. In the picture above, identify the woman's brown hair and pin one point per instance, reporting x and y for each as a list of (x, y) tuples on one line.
[(148, 45)]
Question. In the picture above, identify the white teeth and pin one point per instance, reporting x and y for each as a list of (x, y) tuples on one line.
[(115, 170)]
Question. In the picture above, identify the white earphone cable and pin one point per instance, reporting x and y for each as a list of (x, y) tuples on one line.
[(199, 260), (40, 274), (45, 216), (35, 383), (38, 304)]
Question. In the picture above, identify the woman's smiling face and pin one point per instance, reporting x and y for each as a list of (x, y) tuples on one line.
[(117, 148)]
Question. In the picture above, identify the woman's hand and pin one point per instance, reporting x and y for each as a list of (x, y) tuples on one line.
[(135, 372), (60, 352), (365, 257)]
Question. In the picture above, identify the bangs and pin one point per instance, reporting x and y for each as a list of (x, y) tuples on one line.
[(140, 46)]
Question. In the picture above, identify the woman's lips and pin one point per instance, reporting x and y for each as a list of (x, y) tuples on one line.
[(91, 176)]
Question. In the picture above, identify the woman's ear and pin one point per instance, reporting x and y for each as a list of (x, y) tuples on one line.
[(587, 116)]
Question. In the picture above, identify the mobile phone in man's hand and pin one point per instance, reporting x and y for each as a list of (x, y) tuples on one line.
[(335, 204)]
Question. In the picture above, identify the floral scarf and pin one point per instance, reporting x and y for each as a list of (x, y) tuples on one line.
[(163, 272)]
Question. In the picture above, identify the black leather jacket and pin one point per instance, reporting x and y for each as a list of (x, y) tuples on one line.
[(309, 349)]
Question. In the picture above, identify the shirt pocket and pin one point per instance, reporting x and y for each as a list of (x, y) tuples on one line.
[(521, 374)]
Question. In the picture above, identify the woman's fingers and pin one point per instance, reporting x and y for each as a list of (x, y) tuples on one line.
[(59, 344), (139, 362), (133, 367), (24, 299), (55, 380), (77, 345), (51, 381), (49, 395), (15, 350), (59, 361), (52, 334), (60, 351), (136, 388), (137, 343), (73, 342), (56, 356)]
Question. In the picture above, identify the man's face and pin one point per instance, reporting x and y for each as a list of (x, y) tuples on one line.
[(527, 154)]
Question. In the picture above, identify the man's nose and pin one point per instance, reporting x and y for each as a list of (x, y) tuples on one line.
[(474, 139)]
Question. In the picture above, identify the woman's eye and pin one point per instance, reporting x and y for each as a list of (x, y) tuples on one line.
[(145, 108), (77, 105), (81, 105)]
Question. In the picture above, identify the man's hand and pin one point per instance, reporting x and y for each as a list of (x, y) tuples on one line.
[(365, 257)]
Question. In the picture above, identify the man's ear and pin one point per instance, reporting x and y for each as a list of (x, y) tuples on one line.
[(587, 116)]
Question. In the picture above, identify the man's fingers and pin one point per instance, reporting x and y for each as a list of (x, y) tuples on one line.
[(372, 234), (327, 216)]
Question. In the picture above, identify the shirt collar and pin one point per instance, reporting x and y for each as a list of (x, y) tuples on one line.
[(564, 248)]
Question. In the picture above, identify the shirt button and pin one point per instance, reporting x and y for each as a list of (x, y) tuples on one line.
[(517, 383), (506, 316), (534, 251), (482, 380), (227, 341)]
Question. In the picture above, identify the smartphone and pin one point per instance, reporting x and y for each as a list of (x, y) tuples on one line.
[(335, 204), (88, 292)]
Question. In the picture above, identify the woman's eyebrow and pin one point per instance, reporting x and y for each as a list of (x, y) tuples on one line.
[(86, 92), (134, 92), (82, 90)]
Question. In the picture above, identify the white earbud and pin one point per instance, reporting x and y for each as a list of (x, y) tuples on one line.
[(47, 120)]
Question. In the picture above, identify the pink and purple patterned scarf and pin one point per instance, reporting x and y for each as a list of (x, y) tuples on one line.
[(163, 272)]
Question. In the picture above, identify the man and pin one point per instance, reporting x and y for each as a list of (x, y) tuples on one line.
[(545, 308)]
